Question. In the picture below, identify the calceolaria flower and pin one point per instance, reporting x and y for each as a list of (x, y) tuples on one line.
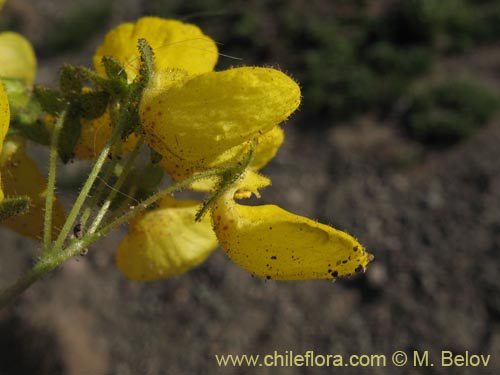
[(198, 119)]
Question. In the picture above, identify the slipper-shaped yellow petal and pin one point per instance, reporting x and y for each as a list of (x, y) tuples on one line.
[(270, 242), (4, 125), (165, 242), (17, 57), (21, 177), (216, 111), (176, 45)]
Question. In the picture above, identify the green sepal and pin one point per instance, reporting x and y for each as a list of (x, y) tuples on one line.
[(50, 100), (132, 121), (70, 81), (11, 207), (147, 67), (114, 70), (70, 133), (93, 104)]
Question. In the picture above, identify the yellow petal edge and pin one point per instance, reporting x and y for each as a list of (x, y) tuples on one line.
[(270, 242), (4, 125), (165, 242)]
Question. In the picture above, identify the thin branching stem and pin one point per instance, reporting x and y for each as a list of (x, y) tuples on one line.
[(80, 200), (51, 182), (98, 191), (116, 187), (53, 259)]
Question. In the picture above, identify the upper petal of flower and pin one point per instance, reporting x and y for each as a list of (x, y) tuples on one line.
[(22, 177), (176, 45), (165, 241), (216, 111), (4, 125), (270, 242), (17, 57)]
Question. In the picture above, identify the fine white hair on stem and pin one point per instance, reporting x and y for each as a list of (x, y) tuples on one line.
[(118, 191)]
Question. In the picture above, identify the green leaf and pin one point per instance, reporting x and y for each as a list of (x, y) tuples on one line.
[(93, 104), (70, 81), (147, 61), (132, 121), (114, 70), (11, 207), (50, 100), (70, 133)]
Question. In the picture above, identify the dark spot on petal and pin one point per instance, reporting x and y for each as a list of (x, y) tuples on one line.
[(335, 274), (273, 257)]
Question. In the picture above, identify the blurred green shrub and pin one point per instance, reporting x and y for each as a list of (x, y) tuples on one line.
[(348, 57), (84, 20), (449, 112)]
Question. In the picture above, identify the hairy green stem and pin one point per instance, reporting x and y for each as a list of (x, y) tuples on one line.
[(117, 186), (46, 264), (99, 191), (51, 182), (80, 200), (157, 196), (53, 259)]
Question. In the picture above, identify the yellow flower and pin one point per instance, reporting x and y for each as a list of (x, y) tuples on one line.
[(270, 242), (165, 242), (266, 241), (17, 58), (199, 119), (194, 123)]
